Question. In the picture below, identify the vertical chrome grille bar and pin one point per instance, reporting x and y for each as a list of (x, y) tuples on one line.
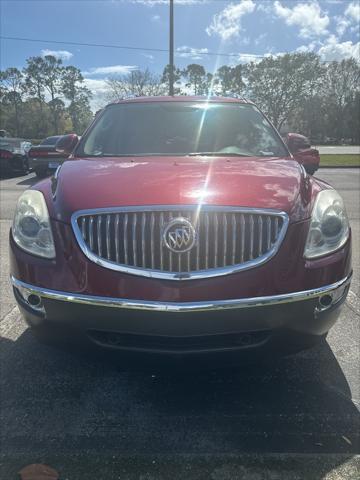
[(108, 238), (152, 247), (276, 221), (117, 218), (268, 233), (224, 239), (179, 255), (216, 239), (206, 241), (161, 241), (192, 220), (170, 252), (251, 221), (91, 232), (233, 226), (242, 234), (125, 233), (83, 228), (143, 246), (260, 233), (99, 236), (134, 242), (197, 228)]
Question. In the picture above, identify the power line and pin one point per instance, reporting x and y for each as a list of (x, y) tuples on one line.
[(127, 47)]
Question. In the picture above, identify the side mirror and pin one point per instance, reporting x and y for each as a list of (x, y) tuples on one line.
[(67, 143), (296, 142), (300, 148)]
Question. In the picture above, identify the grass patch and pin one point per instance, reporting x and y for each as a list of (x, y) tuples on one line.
[(342, 160)]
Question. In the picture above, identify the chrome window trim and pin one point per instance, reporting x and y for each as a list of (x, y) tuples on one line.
[(196, 275), (201, 306)]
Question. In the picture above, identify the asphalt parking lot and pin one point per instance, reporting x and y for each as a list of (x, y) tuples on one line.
[(298, 419)]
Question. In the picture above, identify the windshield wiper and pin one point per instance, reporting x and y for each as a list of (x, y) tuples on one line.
[(218, 154)]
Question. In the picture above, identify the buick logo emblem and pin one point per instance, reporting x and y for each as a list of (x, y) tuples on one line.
[(179, 235)]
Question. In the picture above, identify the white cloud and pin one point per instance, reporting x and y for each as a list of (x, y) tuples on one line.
[(227, 23), (342, 25), (148, 56), (99, 90), (307, 48), (309, 17), (96, 85), (335, 50), (351, 16), (260, 38), (247, 58), (155, 18), (353, 11), (111, 70), (191, 52), (62, 54)]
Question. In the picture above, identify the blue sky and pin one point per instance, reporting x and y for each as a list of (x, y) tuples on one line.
[(244, 28)]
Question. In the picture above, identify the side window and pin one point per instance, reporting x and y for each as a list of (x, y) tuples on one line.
[(301, 143)]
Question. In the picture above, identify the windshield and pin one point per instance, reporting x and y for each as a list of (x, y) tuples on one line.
[(50, 140), (169, 128)]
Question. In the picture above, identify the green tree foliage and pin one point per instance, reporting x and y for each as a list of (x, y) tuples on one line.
[(196, 78), (165, 78), (12, 90), (320, 100), (44, 99), (280, 85), (78, 96), (231, 79)]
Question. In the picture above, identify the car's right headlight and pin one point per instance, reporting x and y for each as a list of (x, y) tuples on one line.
[(329, 227), (31, 228)]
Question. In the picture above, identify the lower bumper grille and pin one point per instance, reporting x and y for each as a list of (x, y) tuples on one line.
[(150, 342), (136, 238)]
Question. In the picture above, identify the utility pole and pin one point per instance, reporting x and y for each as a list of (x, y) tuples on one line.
[(171, 50)]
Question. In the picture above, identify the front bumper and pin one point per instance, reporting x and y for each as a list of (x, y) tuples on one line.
[(180, 328)]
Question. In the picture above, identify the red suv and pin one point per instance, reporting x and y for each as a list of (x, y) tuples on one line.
[(181, 226)]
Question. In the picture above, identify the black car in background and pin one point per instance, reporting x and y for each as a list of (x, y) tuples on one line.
[(44, 159), (14, 155)]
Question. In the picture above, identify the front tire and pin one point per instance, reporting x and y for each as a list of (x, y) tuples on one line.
[(25, 166), (311, 170), (40, 172)]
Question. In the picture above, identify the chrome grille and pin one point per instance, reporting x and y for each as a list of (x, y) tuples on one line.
[(227, 239)]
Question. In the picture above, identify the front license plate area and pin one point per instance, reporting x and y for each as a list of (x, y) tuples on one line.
[(54, 164)]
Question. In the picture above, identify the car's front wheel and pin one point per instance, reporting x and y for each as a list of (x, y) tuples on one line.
[(310, 169), (25, 166), (40, 172)]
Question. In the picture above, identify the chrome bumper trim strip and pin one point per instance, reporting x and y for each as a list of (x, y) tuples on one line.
[(181, 306)]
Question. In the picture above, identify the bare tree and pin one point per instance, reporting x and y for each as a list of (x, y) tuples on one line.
[(139, 83)]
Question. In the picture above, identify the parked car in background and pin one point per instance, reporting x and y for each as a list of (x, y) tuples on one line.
[(300, 146), (4, 133), (14, 155), (44, 158), (181, 226)]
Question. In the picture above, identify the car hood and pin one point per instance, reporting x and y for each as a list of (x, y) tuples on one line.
[(89, 183)]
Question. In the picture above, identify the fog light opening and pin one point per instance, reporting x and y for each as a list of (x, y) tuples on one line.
[(325, 301), (34, 300)]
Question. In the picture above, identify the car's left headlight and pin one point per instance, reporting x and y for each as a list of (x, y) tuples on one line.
[(31, 228), (329, 227)]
